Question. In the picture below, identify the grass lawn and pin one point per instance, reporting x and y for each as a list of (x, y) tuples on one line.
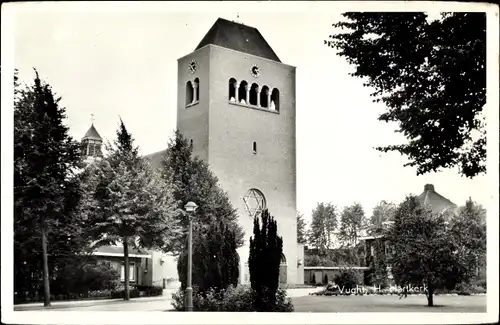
[(390, 303)]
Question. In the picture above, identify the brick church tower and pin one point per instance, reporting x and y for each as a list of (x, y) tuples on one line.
[(236, 103)]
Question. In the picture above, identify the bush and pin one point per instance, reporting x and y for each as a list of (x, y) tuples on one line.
[(150, 291), (347, 279), (241, 298)]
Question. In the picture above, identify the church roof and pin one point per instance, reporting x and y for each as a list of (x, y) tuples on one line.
[(155, 159), (436, 201), (92, 134), (238, 37)]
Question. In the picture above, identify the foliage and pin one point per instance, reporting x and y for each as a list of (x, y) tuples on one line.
[(382, 212), (301, 229), (431, 75), (346, 279), (266, 249), (46, 190), (84, 275), (126, 202), (215, 260), (468, 230), (231, 299), (352, 222), (424, 251), (323, 225), (190, 179)]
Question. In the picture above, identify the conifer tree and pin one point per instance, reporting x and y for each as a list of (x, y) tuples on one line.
[(266, 249), (45, 188)]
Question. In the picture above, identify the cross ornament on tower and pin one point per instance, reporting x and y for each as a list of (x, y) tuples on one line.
[(92, 119)]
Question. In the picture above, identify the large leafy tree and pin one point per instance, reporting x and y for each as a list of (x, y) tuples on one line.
[(46, 190), (352, 222), (127, 202), (301, 229), (424, 252), (216, 232), (266, 249), (431, 75), (190, 179), (323, 226)]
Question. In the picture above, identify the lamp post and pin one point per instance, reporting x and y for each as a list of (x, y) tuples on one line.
[(190, 209)]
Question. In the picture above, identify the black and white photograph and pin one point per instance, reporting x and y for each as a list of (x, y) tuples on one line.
[(250, 162)]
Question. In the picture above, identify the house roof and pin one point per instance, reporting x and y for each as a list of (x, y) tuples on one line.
[(155, 159), (118, 251), (92, 134), (238, 37), (436, 201)]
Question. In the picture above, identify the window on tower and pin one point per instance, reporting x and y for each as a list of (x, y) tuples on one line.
[(232, 90), (254, 92), (242, 92), (254, 148), (197, 89), (263, 97), (275, 100), (189, 93)]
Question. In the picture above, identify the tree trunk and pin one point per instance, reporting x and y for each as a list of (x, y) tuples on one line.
[(46, 284), (430, 298), (127, 268)]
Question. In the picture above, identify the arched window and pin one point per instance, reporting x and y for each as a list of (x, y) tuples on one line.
[(242, 92), (191, 143), (264, 96), (254, 147), (197, 89), (189, 93), (232, 90), (255, 202), (283, 259), (275, 100), (253, 94)]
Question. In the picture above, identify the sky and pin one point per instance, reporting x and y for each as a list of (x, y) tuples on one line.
[(112, 62)]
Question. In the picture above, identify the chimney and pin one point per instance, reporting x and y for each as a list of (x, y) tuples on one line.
[(429, 187)]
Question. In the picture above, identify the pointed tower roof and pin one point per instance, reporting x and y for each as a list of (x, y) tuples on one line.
[(238, 37), (92, 134), (437, 202)]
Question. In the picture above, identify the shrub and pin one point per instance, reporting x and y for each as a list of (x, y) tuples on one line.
[(150, 290), (241, 298), (347, 279)]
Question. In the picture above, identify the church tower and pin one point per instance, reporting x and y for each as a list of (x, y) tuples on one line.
[(91, 145), (236, 104)]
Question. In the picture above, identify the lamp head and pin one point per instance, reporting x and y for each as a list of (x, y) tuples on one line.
[(190, 207)]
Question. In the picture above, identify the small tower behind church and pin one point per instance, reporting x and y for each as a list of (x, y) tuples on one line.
[(91, 144)]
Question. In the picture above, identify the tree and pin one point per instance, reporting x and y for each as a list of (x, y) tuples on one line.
[(468, 230), (266, 249), (352, 222), (383, 212), (323, 225), (431, 75), (215, 260), (301, 229), (190, 179), (126, 202), (425, 253), (45, 191)]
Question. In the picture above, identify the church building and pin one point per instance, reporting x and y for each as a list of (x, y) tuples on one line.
[(236, 104)]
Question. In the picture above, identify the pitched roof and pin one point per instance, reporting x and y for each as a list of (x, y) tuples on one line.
[(238, 37), (436, 201), (155, 159), (92, 134), (118, 251)]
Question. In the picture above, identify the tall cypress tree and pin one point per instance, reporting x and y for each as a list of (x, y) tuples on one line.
[(266, 249)]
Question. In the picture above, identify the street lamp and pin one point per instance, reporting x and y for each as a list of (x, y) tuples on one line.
[(190, 209)]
